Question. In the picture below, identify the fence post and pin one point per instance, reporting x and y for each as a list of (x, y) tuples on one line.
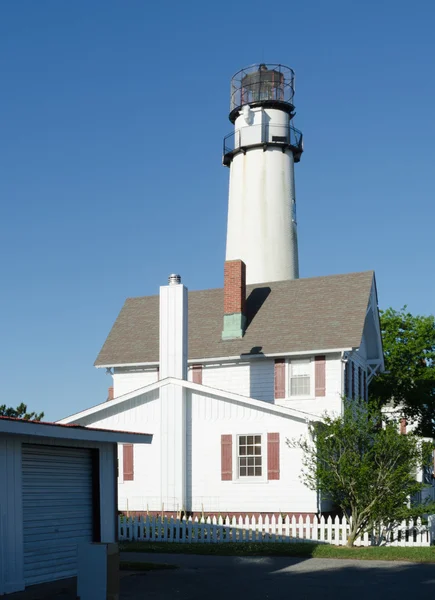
[(260, 529)]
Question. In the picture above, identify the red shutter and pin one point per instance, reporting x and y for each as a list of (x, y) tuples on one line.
[(128, 462), (353, 381), (197, 373), (320, 363), (279, 378), (226, 457), (403, 426), (346, 380), (273, 456)]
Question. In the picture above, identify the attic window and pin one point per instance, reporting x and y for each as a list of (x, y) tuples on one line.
[(300, 377)]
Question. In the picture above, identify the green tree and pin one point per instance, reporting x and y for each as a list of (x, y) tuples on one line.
[(366, 469), (409, 380), (20, 413)]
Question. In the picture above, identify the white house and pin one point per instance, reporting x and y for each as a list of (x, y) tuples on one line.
[(223, 377), (58, 488)]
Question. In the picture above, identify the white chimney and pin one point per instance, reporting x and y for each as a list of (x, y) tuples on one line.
[(173, 363), (173, 329)]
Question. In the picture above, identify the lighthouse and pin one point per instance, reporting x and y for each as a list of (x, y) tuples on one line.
[(261, 152)]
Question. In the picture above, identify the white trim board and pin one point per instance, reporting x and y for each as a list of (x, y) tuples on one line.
[(238, 357), (291, 413)]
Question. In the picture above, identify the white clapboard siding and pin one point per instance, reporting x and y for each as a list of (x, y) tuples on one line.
[(212, 530)]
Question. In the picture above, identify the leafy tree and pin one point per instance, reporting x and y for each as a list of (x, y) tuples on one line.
[(366, 469), (409, 380), (20, 413)]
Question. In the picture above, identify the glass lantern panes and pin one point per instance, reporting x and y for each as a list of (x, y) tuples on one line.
[(300, 371), (250, 456)]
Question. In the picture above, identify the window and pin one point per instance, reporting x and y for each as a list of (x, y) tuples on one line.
[(300, 377), (249, 456)]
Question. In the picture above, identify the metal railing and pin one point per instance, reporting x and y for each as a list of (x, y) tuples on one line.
[(262, 83), (263, 134)]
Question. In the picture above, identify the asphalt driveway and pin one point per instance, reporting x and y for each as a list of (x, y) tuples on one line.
[(255, 578), (228, 577)]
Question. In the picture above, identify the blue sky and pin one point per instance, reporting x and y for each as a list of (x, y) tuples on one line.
[(111, 125)]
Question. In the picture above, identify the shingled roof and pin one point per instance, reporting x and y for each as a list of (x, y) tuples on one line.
[(318, 313)]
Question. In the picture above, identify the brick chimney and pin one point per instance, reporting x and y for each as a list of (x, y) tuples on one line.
[(234, 299), (110, 394)]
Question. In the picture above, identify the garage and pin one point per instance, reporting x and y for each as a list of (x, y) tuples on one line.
[(57, 510), (58, 489)]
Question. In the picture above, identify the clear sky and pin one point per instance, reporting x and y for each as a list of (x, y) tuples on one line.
[(112, 116)]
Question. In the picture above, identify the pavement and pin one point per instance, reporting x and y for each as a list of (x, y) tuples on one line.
[(257, 578)]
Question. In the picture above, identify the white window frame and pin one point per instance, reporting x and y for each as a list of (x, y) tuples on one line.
[(311, 394), (250, 478)]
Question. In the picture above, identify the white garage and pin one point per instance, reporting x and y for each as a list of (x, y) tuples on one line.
[(58, 489)]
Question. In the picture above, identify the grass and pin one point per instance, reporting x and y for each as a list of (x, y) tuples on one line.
[(126, 565), (306, 550)]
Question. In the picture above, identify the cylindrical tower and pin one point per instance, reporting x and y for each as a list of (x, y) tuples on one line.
[(261, 152)]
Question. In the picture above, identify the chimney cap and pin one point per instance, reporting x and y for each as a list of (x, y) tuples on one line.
[(174, 279)]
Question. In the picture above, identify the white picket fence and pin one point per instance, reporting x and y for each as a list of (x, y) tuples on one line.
[(275, 529)]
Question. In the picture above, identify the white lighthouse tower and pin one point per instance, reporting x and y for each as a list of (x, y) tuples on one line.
[(261, 152)]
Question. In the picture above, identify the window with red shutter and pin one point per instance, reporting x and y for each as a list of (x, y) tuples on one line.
[(128, 462), (226, 457), (279, 378), (319, 375), (272, 456), (197, 374)]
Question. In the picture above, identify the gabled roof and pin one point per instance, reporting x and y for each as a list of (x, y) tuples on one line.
[(283, 317), (13, 426), (100, 411)]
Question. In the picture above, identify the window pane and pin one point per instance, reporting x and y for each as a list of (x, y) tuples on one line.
[(257, 461), (250, 450), (258, 450), (300, 386), (243, 471), (242, 440), (250, 439), (258, 439), (300, 367), (250, 462), (243, 462), (258, 471), (242, 451), (251, 471)]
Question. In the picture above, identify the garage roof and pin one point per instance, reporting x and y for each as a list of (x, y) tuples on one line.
[(14, 426)]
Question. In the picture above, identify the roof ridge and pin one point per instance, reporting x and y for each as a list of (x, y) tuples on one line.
[(267, 283)]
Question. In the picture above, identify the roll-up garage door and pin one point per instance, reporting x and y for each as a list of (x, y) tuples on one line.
[(57, 510)]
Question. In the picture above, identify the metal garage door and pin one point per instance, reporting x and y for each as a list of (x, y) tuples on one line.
[(57, 510)]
